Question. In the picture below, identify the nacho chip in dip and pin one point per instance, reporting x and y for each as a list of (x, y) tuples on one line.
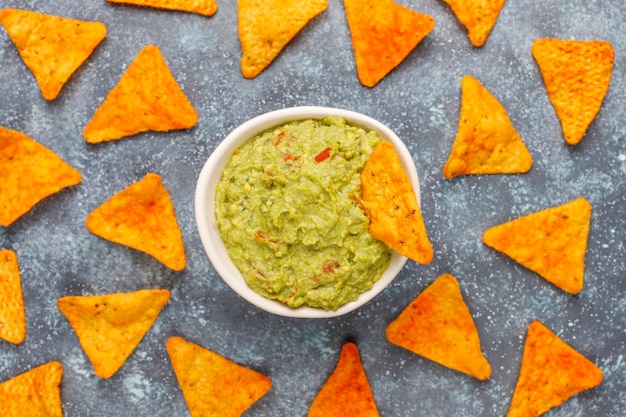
[(52, 47), (438, 325), (146, 98), (109, 327), (391, 205), (212, 385), (486, 142), (551, 242), (347, 392), (551, 373), (29, 172), (383, 34), (142, 217), (576, 75)]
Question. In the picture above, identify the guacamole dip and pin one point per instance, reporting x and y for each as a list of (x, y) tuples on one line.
[(288, 211)]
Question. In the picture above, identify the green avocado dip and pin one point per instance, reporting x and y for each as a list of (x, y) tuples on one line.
[(288, 211)]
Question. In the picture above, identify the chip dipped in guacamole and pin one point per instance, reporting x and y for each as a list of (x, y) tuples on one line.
[(287, 209)]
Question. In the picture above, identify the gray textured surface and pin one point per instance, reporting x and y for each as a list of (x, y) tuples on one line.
[(420, 101)]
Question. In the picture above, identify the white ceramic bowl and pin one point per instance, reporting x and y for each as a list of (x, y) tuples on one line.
[(212, 172)]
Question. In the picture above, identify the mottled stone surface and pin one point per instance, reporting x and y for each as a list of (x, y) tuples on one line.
[(420, 100)]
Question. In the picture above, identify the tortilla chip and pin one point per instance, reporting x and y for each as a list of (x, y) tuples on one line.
[(383, 34), (29, 172), (212, 385), (347, 391), (266, 27), (109, 327), (438, 325), (391, 205), (487, 142), (142, 217), (147, 97), (203, 7), (478, 16), (551, 242), (576, 75), (12, 313), (551, 373), (52, 47), (34, 393)]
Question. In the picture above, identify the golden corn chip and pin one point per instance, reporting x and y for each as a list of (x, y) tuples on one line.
[(12, 313), (551, 242), (391, 205), (29, 172), (52, 47), (383, 34), (34, 393), (142, 217), (487, 142), (266, 27), (147, 97), (109, 327), (576, 75), (551, 372), (478, 16), (203, 7), (438, 325), (347, 391), (212, 385)]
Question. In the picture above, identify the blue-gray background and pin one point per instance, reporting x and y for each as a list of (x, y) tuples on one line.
[(419, 100)]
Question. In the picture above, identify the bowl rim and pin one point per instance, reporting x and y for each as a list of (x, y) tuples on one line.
[(210, 175)]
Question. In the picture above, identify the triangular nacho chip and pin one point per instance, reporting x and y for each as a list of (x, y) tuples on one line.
[(391, 205), (212, 385), (52, 47), (142, 217), (550, 242), (29, 172), (266, 27), (383, 34), (203, 7), (576, 75), (551, 372), (12, 313), (147, 97), (478, 16), (347, 391), (486, 142), (35, 393), (438, 325), (109, 327)]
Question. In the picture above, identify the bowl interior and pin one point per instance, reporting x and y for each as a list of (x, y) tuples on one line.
[(211, 175)]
